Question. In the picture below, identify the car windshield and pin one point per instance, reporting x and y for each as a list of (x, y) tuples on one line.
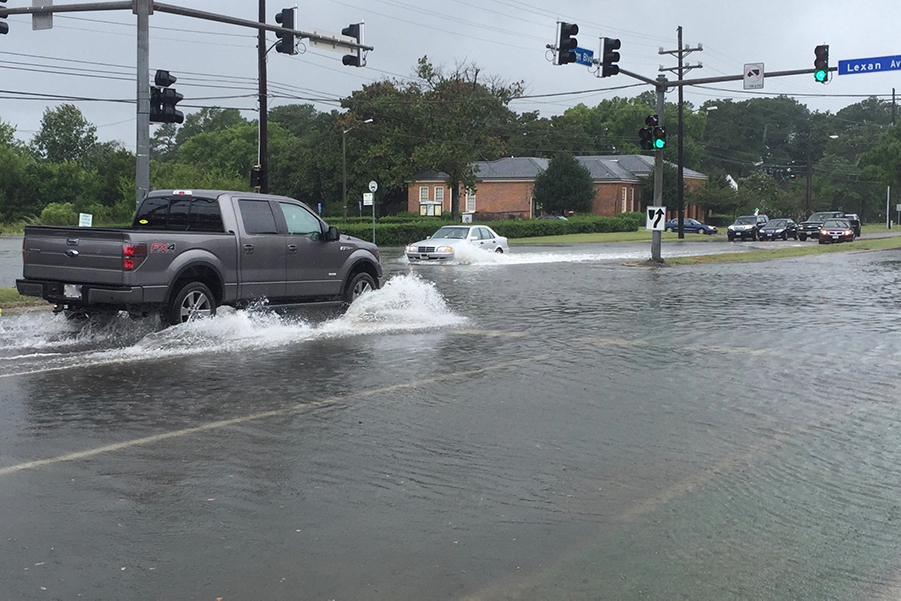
[(821, 216), (458, 233), (836, 223), (777, 223), (749, 220)]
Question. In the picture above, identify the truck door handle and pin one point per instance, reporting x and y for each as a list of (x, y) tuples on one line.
[(248, 249), (292, 248)]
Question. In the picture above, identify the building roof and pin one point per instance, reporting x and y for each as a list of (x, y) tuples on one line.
[(615, 168)]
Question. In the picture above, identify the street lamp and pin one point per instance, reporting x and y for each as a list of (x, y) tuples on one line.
[(344, 164)]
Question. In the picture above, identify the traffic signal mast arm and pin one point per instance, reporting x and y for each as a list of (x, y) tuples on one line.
[(185, 12), (706, 80)]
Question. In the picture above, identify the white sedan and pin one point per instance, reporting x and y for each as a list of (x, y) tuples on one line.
[(442, 245)]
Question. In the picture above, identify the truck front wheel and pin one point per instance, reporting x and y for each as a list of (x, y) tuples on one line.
[(193, 301), (359, 284)]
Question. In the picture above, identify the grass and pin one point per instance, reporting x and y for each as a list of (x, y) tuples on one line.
[(813, 248), (10, 298)]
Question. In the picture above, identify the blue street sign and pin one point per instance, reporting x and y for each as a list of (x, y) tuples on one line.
[(320, 208), (584, 56), (870, 65)]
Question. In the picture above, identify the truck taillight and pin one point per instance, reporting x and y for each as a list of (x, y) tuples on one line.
[(133, 255)]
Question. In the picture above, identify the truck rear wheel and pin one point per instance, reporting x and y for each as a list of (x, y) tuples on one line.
[(193, 301)]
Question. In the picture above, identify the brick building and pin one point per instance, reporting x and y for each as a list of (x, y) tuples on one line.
[(505, 187)]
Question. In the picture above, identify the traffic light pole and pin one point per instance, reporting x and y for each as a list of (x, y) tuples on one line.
[(656, 236), (263, 149), (143, 9)]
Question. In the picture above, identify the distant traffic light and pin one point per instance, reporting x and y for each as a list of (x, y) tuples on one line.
[(645, 138), (609, 57), (256, 177), (4, 28), (285, 43), (355, 59), (566, 43), (821, 63), (163, 99)]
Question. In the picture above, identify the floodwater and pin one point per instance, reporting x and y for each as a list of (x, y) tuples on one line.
[(552, 423)]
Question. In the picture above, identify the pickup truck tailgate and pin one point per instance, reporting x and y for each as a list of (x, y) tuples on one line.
[(90, 255)]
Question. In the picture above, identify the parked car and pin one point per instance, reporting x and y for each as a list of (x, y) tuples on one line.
[(555, 217), (442, 245), (689, 226), (746, 226), (810, 228), (854, 220), (778, 228), (836, 230)]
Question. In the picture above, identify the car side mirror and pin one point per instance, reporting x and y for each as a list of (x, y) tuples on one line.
[(333, 234)]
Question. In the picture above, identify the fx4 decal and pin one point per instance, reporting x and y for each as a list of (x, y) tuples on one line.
[(162, 247)]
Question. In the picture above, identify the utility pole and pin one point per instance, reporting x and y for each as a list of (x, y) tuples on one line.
[(656, 236), (681, 53), (263, 159)]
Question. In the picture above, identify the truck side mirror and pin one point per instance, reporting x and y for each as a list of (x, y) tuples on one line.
[(333, 234)]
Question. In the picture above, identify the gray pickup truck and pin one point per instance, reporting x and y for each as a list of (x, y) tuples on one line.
[(189, 251)]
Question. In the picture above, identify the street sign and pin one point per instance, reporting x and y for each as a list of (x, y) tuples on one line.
[(373, 186), (85, 219), (869, 65), (753, 76), (367, 199), (656, 218), (584, 56)]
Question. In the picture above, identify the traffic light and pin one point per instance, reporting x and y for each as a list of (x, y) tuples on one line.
[(354, 30), (256, 176), (285, 43), (659, 136), (821, 63), (566, 43), (163, 99), (4, 28), (644, 139), (609, 57)]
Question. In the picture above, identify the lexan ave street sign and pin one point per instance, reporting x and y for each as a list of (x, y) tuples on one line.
[(869, 65)]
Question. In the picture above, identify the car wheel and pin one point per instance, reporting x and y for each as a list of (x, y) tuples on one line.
[(193, 301), (731, 238), (499, 250), (784, 236), (358, 285), (669, 229)]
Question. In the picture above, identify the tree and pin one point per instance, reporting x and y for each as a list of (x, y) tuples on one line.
[(564, 186), (7, 134), (65, 135)]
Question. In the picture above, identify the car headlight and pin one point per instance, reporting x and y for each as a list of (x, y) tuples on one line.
[(780, 231), (849, 232), (731, 228), (445, 249), (412, 248)]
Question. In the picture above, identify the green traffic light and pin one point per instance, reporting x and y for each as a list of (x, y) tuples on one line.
[(820, 75), (659, 143)]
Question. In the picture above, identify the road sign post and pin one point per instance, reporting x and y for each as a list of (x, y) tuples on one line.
[(753, 79), (373, 186)]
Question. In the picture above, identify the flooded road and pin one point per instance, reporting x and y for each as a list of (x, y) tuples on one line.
[(545, 424)]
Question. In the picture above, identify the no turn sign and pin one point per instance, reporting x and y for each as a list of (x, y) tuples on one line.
[(753, 76)]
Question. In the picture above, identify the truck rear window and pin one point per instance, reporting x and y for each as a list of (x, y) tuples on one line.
[(185, 213)]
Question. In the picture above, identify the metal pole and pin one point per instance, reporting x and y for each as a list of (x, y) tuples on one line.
[(658, 171), (373, 217), (264, 104), (888, 206), (344, 170), (680, 196), (142, 9)]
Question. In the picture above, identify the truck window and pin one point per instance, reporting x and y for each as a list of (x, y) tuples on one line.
[(257, 216), (179, 213), (205, 216), (300, 221), (152, 214)]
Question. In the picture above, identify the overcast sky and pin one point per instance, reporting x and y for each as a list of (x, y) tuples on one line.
[(92, 54)]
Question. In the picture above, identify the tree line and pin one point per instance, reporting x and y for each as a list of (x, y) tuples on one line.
[(785, 159)]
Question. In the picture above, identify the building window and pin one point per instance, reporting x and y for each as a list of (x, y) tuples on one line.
[(423, 194), (624, 200), (632, 200), (470, 202), (439, 195)]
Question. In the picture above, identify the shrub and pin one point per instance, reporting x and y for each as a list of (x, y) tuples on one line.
[(59, 213)]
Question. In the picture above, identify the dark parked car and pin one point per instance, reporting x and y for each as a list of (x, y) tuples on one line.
[(854, 220), (746, 226), (778, 228), (811, 227), (689, 226), (836, 230)]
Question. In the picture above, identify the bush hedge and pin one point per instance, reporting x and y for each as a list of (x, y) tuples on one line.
[(403, 232)]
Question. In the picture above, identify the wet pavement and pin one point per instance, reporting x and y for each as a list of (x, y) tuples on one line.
[(545, 424)]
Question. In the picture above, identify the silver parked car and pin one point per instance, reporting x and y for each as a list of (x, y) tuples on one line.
[(443, 244)]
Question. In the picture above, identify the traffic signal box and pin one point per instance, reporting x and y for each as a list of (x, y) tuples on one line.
[(4, 28), (653, 136), (610, 57), (285, 44), (163, 99), (821, 63), (355, 31), (566, 43)]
